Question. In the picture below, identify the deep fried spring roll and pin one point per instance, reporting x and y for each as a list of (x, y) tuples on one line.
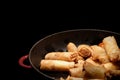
[(112, 48), (61, 78), (66, 56), (71, 47), (74, 78), (84, 50), (56, 65), (110, 66), (90, 60), (96, 79), (79, 58), (101, 44), (94, 72), (78, 70), (99, 54), (114, 72)]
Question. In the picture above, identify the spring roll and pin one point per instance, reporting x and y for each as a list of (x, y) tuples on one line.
[(114, 72), (78, 70), (96, 79), (84, 50), (71, 47), (101, 44), (74, 78), (56, 65), (90, 60), (79, 58), (112, 48), (110, 66), (61, 78), (99, 54), (66, 56), (94, 72)]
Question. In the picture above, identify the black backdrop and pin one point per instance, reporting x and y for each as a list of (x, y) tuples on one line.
[(29, 29)]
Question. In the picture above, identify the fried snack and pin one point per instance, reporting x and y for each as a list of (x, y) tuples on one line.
[(61, 78), (66, 56), (96, 79), (112, 48), (84, 50), (56, 65), (114, 72), (92, 62), (110, 66), (101, 45), (94, 72), (99, 54), (71, 47), (78, 70), (78, 58), (74, 78)]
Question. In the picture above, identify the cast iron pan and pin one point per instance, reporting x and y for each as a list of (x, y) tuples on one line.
[(58, 42)]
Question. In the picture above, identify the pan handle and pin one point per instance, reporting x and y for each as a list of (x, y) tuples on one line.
[(21, 62)]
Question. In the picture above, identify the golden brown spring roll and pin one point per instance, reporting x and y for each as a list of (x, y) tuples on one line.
[(61, 78), (110, 66), (101, 44), (71, 47), (80, 64), (94, 72), (84, 50), (56, 65), (90, 60), (66, 56), (78, 70), (114, 72), (99, 54), (79, 58), (74, 78), (96, 79), (112, 48)]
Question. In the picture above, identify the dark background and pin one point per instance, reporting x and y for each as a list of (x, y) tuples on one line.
[(28, 28)]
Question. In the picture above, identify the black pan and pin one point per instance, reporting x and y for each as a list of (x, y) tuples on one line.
[(58, 42)]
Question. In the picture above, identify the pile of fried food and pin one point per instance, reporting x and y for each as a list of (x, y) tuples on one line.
[(86, 62)]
